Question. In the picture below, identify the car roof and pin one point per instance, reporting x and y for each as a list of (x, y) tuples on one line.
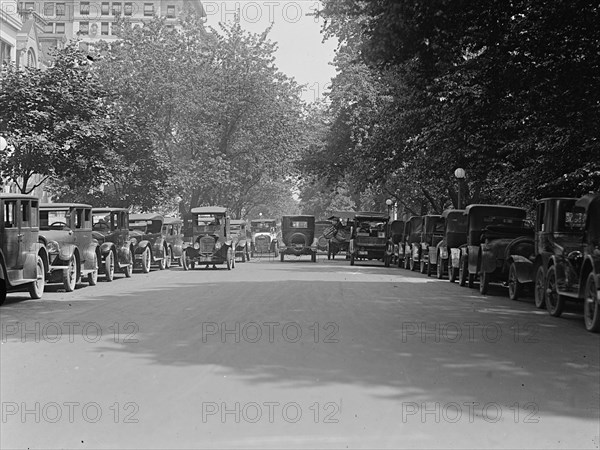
[(108, 209), (146, 216), (63, 205), (6, 196), (170, 220), (451, 211), (371, 215), (209, 210), (588, 200), (478, 206), (300, 216), (237, 222), (342, 215)]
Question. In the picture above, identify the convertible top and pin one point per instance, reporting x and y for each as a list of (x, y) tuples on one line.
[(209, 210), (63, 206), (147, 216), (371, 215)]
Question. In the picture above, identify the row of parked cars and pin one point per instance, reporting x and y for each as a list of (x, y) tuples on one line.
[(556, 258), (71, 242)]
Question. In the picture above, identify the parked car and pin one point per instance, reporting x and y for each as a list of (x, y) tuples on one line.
[(339, 240), (212, 242), (492, 232), (322, 227), (23, 258), (264, 237), (396, 233), (110, 227), (298, 237), (241, 239), (445, 256), (66, 230), (568, 244), (412, 238), (149, 240), (431, 234), (369, 238), (173, 232)]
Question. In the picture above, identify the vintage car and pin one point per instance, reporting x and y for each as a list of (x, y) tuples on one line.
[(242, 242), (445, 256), (494, 232), (431, 234), (339, 236), (323, 227), (264, 237), (413, 229), (66, 230), (395, 233), (149, 241), (173, 232), (212, 242), (298, 237), (568, 246), (110, 227), (369, 238), (23, 258)]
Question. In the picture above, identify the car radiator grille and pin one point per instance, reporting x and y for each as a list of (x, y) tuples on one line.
[(207, 244), (262, 244)]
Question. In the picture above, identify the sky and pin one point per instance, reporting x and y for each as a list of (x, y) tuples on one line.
[(301, 53)]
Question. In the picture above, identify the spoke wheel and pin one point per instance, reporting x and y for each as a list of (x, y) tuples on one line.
[(412, 264), (539, 293), (92, 277), (439, 268), (70, 275), (453, 273), (591, 305), (463, 270), (128, 269), (36, 289), (2, 291), (109, 266), (146, 260), (185, 261), (554, 301), (169, 260), (422, 266), (515, 289), (162, 264), (484, 283)]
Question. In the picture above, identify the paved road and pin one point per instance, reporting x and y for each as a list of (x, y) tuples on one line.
[(293, 354)]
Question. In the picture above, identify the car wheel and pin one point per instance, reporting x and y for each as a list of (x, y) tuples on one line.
[(429, 269), (162, 264), (386, 261), (591, 305), (422, 266), (228, 261), (128, 269), (439, 268), (463, 269), (243, 257), (146, 260), (185, 261), (471, 280), (539, 292), (36, 289), (3, 291), (169, 260), (515, 289), (484, 283), (412, 264), (109, 266), (92, 277), (70, 275), (554, 301), (453, 273)]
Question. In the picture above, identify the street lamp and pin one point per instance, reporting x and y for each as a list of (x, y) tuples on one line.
[(460, 175), (3, 144), (388, 202)]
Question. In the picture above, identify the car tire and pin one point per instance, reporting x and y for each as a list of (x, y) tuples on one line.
[(555, 303), (146, 260), (36, 289), (429, 269), (412, 264), (92, 277), (471, 280), (128, 269), (484, 282), (3, 291), (184, 261), (69, 277), (422, 266), (591, 305), (463, 271), (386, 260), (515, 289), (162, 264), (243, 257), (169, 260), (228, 261), (109, 266), (453, 273), (440, 268), (539, 290)]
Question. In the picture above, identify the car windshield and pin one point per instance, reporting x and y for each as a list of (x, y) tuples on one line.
[(51, 219), (140, 225), (457, 223), (370, 228), (506, 221), (207, 223), (263, 227), (100, 221), (570, 219)]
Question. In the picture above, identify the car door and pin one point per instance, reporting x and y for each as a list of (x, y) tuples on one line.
[(28, 217), (12, 241)]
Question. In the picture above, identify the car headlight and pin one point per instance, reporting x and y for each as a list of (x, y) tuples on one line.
[(196, 245), (134, 241), (218, 245), (53, 247)]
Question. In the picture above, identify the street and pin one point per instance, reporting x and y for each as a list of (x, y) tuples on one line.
[(294, 355)]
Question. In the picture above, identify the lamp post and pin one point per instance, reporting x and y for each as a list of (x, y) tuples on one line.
[(388, 202), (460, 175)]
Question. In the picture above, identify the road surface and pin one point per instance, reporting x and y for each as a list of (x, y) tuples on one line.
[(293, 355)]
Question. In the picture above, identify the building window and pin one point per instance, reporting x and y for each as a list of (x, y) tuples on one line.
[(170, 11), (5, 50), (104, 29), (116, 8), (31, 60), (105, 8), (84, 8), (148, 9), (49, 28), (60, 9), (128, 9), (48, 9), (60, 28), (84, 28)]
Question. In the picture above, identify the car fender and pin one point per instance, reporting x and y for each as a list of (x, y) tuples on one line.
[(30, 266), (66, 251), (88, 256), (524, 267), (140, 247), (455, 256), (106, 247), (487, 259)]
